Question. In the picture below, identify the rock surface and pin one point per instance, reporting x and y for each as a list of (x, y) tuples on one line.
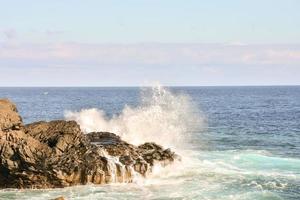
[(59, 198), (58, 154), (142, 158), (9, 117)]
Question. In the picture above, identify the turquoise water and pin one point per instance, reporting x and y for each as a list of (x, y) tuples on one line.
[(247, 145)]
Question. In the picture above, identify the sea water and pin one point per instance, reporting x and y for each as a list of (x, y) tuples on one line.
[(235, 142)]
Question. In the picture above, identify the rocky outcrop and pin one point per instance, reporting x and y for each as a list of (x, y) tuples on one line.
[(9, 117), (59, 135), (142, 157), (58, 154)]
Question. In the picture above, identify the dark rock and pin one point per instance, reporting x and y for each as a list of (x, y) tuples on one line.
[(59, 135), (58, 154), (141, 156), (152, 153)]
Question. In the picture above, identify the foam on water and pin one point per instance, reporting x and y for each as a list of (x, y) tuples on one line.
[(204, 175)]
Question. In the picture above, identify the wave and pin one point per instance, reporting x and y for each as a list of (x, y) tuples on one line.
[(162, 117)]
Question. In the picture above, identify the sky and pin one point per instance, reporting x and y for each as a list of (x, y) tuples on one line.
[(139, 42)]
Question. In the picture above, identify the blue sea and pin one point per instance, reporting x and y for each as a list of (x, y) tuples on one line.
[(239, 143)]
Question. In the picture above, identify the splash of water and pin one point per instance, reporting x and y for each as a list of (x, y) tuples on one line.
[(162, 117)]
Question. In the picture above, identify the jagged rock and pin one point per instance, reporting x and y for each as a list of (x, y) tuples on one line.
[(141, 157), (9, 117), (152, 153), (112, 144), (60, 135), (58, 154)]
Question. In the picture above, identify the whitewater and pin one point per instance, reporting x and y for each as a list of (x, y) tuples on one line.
[(227, 152)]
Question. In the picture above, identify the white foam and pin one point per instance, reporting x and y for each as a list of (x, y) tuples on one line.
[(162, 117)]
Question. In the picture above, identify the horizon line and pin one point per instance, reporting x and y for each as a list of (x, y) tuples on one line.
[(137, 86)]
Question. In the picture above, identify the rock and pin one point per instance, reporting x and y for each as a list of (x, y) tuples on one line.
[(59, 135), (59, 198), (152, 153), (112, 144), (57, 154), (9, 117), (141, 157), (21, 156)]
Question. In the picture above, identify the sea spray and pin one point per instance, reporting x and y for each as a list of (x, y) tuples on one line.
[(162, 117)]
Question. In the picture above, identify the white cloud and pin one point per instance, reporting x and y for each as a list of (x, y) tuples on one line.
[(153, 54)]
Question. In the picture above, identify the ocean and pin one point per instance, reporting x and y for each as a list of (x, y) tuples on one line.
[(239, 143)]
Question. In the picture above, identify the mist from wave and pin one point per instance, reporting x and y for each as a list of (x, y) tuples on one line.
[(161, 117)]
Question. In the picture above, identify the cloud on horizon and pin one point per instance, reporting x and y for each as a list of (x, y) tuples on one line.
[(133, 64), (153, 54)]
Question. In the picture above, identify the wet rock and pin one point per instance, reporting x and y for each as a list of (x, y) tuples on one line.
[(58, 154), (152, 153), (141, 157)]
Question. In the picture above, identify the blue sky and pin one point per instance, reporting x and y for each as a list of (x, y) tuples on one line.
[(137, 42)]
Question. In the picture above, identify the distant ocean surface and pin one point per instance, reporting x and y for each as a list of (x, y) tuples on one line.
[(245, 144)]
